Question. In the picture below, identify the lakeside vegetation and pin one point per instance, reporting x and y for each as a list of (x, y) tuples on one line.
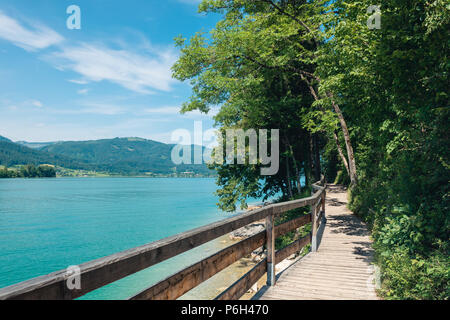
[(65, 172), (368, 107), (48, 171), (28, 171)]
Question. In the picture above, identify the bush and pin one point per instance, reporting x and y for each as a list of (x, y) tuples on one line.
[(410, 240), (416, 278), (415, 264), (342, 178)]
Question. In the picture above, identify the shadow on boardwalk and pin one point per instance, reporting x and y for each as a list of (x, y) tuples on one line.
[(342, 266)]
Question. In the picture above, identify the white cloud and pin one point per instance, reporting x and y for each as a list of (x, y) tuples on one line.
[(79, 81), (83, 91), (136, 72), (95, 108), (37, 103), (142, 72), (31, 39), (163, 110)]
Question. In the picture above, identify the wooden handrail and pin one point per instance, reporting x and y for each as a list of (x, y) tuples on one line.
[(100, 272)]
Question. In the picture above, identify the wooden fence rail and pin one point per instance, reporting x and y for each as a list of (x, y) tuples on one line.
[(98, 273)]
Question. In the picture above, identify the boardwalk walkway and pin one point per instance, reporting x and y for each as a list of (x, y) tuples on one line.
[(340, 269)]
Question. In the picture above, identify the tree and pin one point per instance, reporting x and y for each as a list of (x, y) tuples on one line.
[(376, 98), (392, 85), (234, 68), (303, 20)]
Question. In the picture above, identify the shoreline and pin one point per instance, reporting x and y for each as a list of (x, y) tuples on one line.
[(107, 177)]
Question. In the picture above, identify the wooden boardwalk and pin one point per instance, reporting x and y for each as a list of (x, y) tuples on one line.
[(341, 268)]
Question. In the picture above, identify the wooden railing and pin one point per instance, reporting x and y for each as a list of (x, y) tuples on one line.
[(98, 273)]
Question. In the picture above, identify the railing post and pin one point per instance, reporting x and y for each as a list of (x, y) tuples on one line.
[(324, 197), (314, 228), (270, 244)]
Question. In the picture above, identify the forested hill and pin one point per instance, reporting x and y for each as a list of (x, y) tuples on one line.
[(14, 154), (129, 156)]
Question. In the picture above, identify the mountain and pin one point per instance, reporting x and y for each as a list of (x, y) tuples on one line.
[(14, 154), (123, 155), (130, 156)]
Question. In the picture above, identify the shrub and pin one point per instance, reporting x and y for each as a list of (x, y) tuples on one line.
[(416, 278)]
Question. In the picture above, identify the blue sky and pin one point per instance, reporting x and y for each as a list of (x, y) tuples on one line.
[(110, 79)]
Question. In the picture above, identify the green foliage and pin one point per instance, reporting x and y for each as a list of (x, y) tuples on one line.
[(249, 66), (416, 278), (12, 154), (391, 84), (290, 237), (29, 171), (342, 178)]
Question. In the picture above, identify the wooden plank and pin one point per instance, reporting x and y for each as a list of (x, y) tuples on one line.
[(297, 294), (292, 248), (311, 276), (319, 219), (241, 286), (100, 272), (292, 225), (279, 208), (291, 205), (328, 292), (322, 292), (326, 285), (329, 269), (328, 274), (178, 284), (324, 196)]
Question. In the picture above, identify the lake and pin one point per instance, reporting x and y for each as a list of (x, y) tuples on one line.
[(47, 225)]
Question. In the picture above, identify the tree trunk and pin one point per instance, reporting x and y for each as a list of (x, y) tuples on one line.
[(306, 168), (341, 153), (348, 143), (311, 157), (297, 171), (351, 164), (288, 178), (317, 166), (299, 180)]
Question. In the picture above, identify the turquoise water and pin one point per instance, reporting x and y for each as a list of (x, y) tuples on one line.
[(49, 224)]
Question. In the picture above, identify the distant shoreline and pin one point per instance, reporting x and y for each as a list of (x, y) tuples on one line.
[(105, 177)]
